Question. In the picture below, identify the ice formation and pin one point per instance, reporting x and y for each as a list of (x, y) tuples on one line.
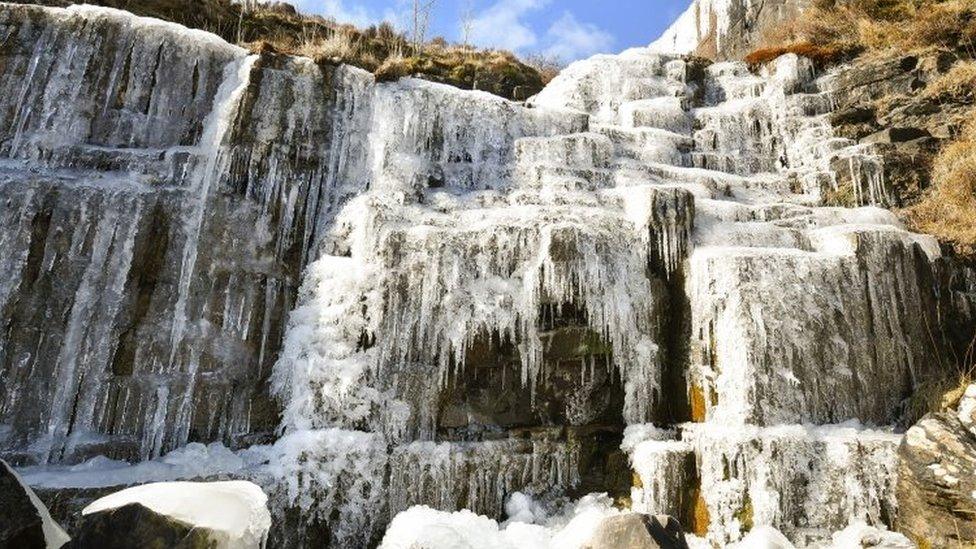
[(453, 297), (236, 512)]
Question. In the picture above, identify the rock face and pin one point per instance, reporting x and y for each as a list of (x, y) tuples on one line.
[(882, 102), (638, 531), (25, 522), (727, 29), (937, 478)]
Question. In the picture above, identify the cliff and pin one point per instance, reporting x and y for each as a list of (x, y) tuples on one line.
[(370, 296)]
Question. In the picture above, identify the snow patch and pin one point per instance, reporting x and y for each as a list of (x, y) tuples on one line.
[(424, 527)]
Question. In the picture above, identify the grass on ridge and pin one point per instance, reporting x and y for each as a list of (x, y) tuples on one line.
[(380, 49)]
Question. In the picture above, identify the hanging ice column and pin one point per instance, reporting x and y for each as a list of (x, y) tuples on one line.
[(799, 314)]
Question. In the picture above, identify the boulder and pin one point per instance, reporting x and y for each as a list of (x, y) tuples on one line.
[(24, 521), (937, 478), (185, 515), (896, 135), (135, 525), (637, 531)]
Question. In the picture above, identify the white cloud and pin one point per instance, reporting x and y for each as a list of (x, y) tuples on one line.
[(501, 25), (569, 39)]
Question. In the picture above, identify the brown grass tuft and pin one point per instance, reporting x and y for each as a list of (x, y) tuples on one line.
[(958, 85), (831, 31), (948, 211)]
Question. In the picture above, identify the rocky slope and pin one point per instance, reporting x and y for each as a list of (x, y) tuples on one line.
[(397, 294)]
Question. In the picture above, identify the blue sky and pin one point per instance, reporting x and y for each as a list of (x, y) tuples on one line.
[(568, 29)]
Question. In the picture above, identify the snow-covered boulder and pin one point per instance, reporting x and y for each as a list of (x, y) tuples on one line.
[(25, 522), (222, 515)]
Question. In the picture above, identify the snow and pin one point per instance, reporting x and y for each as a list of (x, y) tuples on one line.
[(54, 536), (91, 12), (236, 511), (422, 526), (860, 534)]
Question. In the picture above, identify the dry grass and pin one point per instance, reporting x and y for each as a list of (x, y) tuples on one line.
[(934, 397), (820, 55), (958, 85), (948, 211), (497, 72), (379, 49), (833, 31)]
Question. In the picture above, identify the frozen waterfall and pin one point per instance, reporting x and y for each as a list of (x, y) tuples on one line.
[(400, 294)]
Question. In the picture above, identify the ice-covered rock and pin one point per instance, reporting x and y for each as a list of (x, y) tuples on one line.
[(225, 515), (163, 191)]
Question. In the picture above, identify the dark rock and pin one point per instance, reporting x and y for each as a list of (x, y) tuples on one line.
[(937, 479), (66, 504), (852, 115), (638, 531), (896, 135), (135, 525), (24, 521), (521, 93)]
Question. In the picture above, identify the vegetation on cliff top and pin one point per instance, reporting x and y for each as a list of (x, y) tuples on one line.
[(831, 31), (380, 49)]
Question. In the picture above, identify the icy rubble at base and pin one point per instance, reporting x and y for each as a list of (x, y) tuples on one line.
[(236, 512)]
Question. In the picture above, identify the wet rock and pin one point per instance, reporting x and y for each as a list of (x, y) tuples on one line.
[(896, 135), (852, 115), (937, 478), (638, 531), (24, 521), (137, 526)]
